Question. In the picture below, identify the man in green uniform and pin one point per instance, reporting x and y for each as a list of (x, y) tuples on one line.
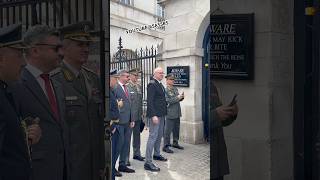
[(83, 100), (172, 125), (15, 135), (136, 108)]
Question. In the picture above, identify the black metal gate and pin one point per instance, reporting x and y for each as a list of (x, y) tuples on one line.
[(57, 13), (143, 59)]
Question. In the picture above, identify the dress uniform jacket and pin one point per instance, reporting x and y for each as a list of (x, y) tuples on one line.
[(84, 117), (174, 108), (14, 156), (50, 155), (220, 157), (136, 100), (156, 101)]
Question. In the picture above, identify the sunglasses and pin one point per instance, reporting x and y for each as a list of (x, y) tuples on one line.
[(55, 47)]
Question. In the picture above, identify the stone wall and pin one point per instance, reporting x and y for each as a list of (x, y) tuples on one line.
[(260, 141), (181, 47)]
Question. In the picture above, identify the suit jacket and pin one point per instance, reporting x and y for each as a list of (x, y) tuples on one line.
[(220, 156), (174, 108), (14, 157), (50, 155), (156, 99), (136, 100), (84, 117), (126, 115), (114, 111)]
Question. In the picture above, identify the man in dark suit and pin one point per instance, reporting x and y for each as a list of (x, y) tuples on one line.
[(222, 116), (83, 102), (126, 121), (15, 135), (38, 95), (156, 112)]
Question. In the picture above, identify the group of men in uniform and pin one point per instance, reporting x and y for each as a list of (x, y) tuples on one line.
[(51, 119), (126, 117), (51, 115), (163, 115)]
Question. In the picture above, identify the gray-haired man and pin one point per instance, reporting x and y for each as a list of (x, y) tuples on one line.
[(126, 120), (38, 95)]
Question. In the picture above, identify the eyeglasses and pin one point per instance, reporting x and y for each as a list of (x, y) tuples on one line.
[(55, 47)]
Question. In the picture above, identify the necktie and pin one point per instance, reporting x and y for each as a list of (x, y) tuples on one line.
[(82, 84), (51, 97), (126, 91), (162, 87)]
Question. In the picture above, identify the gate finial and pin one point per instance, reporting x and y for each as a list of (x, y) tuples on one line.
[(120, 44)]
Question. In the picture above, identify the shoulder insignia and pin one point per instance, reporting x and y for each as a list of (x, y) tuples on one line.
[(67, 74), (152, 81), (89, 70)]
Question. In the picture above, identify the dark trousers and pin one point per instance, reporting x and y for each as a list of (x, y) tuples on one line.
[(136, 139), (114, 151), (124, 143), (171, 126)]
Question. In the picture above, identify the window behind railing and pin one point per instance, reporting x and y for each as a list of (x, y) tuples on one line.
[(160, 10), (127, 2)]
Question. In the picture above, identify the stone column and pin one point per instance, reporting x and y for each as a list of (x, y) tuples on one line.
[(180, 48)]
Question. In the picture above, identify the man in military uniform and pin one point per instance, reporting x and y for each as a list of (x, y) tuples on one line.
[(136, 100), (114, 117), (83, 101), (14, 152), (172, 124), (222, 116)]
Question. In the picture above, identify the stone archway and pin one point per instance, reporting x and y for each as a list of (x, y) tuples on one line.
[(182, 46)]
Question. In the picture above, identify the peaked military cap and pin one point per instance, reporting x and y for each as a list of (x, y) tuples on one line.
[(81, 31), (113, 73), (11, 36), (170, 76), (134, 71)]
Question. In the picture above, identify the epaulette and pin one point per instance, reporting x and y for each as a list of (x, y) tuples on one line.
[(89, 70), (68, 75), (55, 72), (152, 81)]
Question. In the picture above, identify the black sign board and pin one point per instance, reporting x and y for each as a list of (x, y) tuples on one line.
[(231, 51), (181, 73)]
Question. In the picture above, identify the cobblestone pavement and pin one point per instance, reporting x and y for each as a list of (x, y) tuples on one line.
[(192, 163)]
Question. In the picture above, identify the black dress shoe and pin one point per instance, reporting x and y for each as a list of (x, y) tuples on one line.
[(159, 158), (128, 164), (177, 146), (151, 167), (118, 174), (167, 149), (125, 169), (139, 158)]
